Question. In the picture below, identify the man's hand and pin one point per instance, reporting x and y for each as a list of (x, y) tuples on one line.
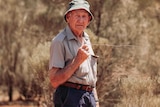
[(97, 104), (82, 54)]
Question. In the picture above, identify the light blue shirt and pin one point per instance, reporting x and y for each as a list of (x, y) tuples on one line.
[(64, 48)]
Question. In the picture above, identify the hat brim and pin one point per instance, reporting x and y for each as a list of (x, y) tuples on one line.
[(77, 8)]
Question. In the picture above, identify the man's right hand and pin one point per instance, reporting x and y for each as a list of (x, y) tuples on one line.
[(82, 54)]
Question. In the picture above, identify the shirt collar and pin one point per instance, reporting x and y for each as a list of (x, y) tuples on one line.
[(70, 34)]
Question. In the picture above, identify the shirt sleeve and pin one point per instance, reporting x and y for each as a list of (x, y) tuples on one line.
[(56, 54)]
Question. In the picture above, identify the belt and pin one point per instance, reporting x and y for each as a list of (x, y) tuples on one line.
[(78, 86)]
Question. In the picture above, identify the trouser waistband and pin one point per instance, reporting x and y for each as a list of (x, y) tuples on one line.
[(78, 86)]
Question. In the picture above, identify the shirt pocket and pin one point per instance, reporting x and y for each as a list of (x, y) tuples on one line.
[(94, 59)]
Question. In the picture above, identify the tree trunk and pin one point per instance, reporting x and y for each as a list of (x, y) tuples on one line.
[(10, 92), (100, 3)]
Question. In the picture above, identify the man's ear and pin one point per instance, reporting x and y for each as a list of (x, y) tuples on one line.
[(67, 16), (89, 20), (90, 17)]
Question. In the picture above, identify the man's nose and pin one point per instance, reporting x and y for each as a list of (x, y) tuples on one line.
[(81, 19)]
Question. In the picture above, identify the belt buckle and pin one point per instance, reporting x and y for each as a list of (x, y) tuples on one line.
[(88, 88), (78, 86)]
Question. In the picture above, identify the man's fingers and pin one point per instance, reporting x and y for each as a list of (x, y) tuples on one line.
[(85, 47)]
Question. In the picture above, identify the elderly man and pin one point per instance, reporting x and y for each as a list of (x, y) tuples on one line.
[(73, 65)]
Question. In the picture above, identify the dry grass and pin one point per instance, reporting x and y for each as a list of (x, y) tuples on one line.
[(127, 76), (138, 92)]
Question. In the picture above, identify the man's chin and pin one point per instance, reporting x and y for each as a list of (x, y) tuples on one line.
[(80, 28)]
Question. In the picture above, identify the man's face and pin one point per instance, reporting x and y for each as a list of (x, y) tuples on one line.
[(78, 20)]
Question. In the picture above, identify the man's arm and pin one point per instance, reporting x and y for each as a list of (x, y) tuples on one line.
[(96, 97), (58, 76)]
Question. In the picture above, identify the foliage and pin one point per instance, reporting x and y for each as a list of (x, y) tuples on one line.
[(138, 92), (125, 34)]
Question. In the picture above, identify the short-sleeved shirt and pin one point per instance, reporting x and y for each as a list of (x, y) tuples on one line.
[(64, 48)]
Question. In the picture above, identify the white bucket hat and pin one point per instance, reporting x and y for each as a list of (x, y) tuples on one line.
[(79, 4)]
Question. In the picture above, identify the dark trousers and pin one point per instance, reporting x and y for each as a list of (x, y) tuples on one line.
[(70, 97)]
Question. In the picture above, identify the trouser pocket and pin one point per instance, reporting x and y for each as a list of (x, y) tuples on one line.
[(60, 96)]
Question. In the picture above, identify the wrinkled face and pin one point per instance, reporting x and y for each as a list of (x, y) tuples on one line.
[(78, 20)]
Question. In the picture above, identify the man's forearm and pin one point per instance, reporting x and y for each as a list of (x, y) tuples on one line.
[(59, 76), (96, 97)]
